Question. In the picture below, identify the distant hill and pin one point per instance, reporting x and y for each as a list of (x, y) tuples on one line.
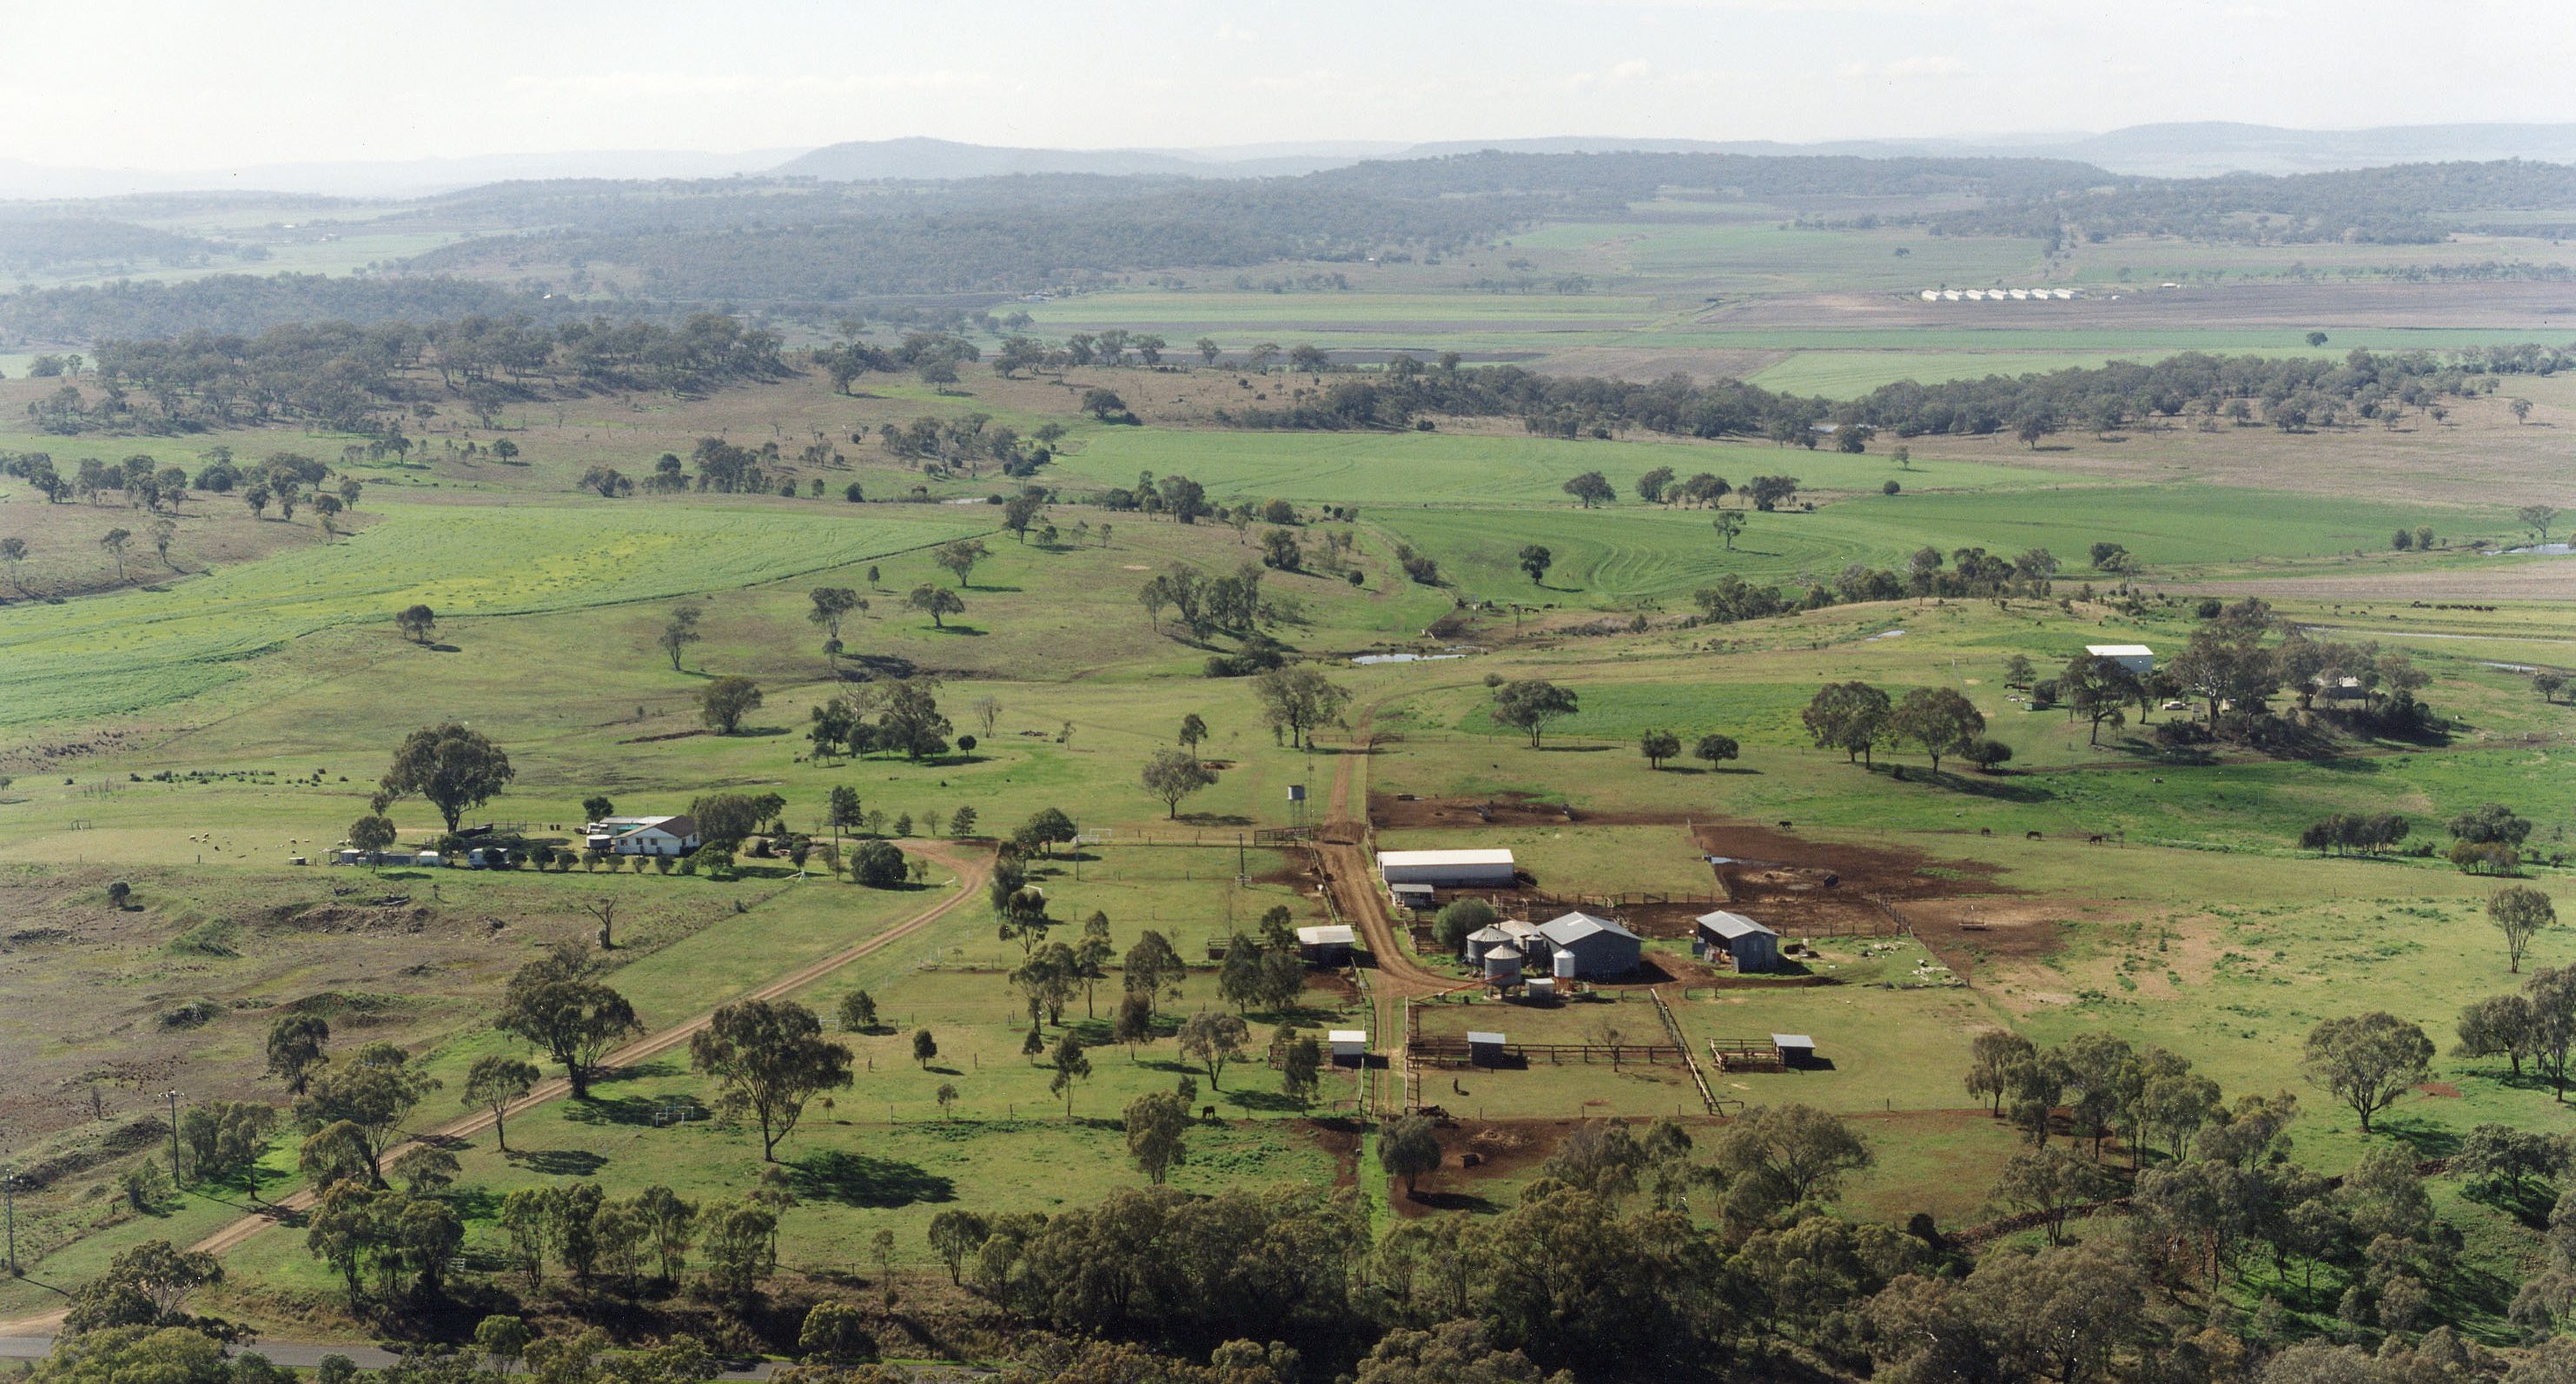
[(2181, 150), (2209, 148), (931, 159)]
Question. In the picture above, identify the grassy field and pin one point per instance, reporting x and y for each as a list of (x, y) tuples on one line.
[(190, 736)]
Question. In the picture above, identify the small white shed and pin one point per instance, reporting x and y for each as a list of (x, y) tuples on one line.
[(1349, 1046)]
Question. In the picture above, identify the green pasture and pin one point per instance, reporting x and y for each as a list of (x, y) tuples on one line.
[(1394, 471), (1638, 553), (2007, 326), (131, 650), (1747, 256), (1164, 311)]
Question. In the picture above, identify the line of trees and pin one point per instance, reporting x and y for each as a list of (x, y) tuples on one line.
[(362, 378), (2293, 393)]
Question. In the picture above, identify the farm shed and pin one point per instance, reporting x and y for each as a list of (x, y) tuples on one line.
[(1486, 939), (1753, 947), (1542, 990), (2137, 658), (643, 835), (429, 858), (1485, 1049), (1349, 1046), (1796, 1049), (1598, 946), (1418, 897), (1447, 869), (1324, 946)]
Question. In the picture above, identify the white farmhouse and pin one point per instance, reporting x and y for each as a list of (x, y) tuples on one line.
[(643, 835)]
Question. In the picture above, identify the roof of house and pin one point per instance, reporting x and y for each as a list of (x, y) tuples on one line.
[(2119, 651), (682, 825), (1793, 1040), (1401, 859), (1324, 936), (1726, 924), (1574, 927), (1485, 1040)]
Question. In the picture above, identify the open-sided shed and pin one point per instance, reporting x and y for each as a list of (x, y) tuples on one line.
[(1753, 947), (1325, 946)]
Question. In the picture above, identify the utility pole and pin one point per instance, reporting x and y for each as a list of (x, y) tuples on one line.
[(9, 1195), (176, 1177)]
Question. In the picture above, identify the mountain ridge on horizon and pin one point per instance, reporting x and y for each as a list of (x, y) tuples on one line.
[(2167, 149)]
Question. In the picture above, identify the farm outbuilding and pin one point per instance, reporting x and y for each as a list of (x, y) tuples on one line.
[(1349, 1046), (1468, 869), (1503, 965), (1795, 1049), (1597, 946), (1541, 990), (1485, 1049), (1483, 940), (2137, 658), (1324, 946), (1753, 947)]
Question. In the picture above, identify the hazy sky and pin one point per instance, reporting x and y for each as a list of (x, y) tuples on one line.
[(208, 86)]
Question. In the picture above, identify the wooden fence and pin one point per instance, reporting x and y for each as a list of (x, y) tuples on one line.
[(1455, 1052), (1746, 1055)]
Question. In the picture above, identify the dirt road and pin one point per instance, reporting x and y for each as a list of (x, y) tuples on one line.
[(970, 876), (1341, 844)]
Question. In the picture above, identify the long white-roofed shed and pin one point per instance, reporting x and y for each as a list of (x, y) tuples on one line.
[(1448, 869)]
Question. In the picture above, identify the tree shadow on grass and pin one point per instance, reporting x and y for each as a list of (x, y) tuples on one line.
[(857, 1179), (966, 631), (1574, 749), (562, 1162), (2426, 1139), (1270, 1101)]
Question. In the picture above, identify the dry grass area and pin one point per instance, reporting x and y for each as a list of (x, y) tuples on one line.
[(113, 1002), (64, 557), (2479, 454)]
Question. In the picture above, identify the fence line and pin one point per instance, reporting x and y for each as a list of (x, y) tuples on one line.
[(1673, 1030)]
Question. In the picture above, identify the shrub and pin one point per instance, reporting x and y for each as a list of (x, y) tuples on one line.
[(877, 864)]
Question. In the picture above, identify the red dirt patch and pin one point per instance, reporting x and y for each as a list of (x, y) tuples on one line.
[(2441, 1089), (1500, 1149), (1805, 886), (1406, 810)]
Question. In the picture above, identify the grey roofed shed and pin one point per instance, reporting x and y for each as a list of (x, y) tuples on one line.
[(1485, 1049), (1324, 946), (1599, 946), (1754, 947)]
